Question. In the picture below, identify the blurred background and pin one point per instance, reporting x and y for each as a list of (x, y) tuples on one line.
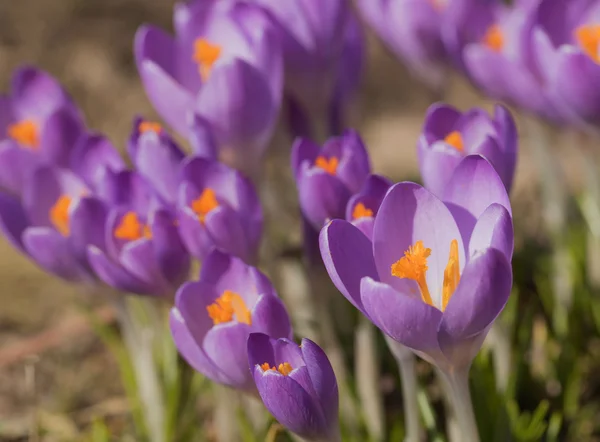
[(51, 362)]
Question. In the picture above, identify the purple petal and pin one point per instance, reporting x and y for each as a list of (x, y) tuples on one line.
[(202, 139), (191, 301), (13, 220), (355, 165), (505, 124), (437, 164), (229, 233), (494, 229), (303, 150), (16, 166), (440, 120), (262, 348), (171, 256), (59, 136), (322, 196), (197, 240), (139, 258), (87, 225), (270, 316), (93, 153), (348, 257)]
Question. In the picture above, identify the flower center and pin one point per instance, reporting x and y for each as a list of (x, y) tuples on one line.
[(285, 368), (131, 228), (588, 39), (494, 38), (413, 265), (329, 165), (361, 211), (228, 305), (206, 202), (205, 55), (149, 126), (439, 5), (455, 140), (59, 214), (25, 132)]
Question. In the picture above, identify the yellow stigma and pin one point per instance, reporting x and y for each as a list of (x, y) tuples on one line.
[(413, 265), (588, 39), (455, 140), (131, 228), (494, 38), (451, 275), (149, 126), (204, 204), (361, 211), (59, 214), (285, 368), (25, 133), (228, 305), (329, 165), (205, 55)]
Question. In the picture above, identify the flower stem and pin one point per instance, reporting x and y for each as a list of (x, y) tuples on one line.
[(408, 376), (458, 383)]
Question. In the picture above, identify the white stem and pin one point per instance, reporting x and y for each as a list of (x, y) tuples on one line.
[(499, 341), (408, 376), (458, 384), (139, 343)]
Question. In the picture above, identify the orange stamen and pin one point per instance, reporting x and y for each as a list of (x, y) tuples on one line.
[(25, 133), (329, 165), (588, 39), (228, 305), (413, 265), (149, 126), (285, 368), (205, 54), (131, 228), (361, 211), (455, 140), (205, 203), (494, 38), (59, 214), (451, 275)]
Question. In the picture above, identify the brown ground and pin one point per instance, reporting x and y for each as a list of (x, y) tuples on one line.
[(87, 45)]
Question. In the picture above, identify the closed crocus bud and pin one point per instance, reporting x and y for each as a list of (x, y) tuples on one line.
[(363, 206), (39, 124), (214, 316), (411, 29), (297, 385), (223, 65), (566, 40), (218, 208), (449, 135), (142, 252), (432, 279), (327, 177), (54, 222)]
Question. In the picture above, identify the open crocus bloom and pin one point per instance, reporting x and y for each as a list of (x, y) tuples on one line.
[(437, 274), (297, 385), (39, 124), (363, 206), (449, 135), (213, 317)]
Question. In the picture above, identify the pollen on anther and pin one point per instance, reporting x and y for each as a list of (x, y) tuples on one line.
[(588, 39), (329, 165), (59, 214), (149, 126), (494, 38), (455, 140), (25, 133), (361, 211), (227, 306), (284, 368), (205, 55), (204, 204), (131, 228)]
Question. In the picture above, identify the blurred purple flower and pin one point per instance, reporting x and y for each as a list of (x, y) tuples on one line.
[(297, 385), (449, 135), (39, 124), (364, 205), (437, 274), (213, 317), (327, 177), (223, 69), (142, 251)]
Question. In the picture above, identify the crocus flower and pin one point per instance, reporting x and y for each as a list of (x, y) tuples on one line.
[(223, 65), (297, 385), (363, 206), (437, 273), (566, 39), (449, 135), (39, 124), (54, 222), (411, 29), (214, 316), (141, 251), (327, 177)]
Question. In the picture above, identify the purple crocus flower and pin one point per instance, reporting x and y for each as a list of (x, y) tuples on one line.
[(54, 222), (224, 66), (363, 206), (327, 177), (449, 135), (437, 273), (297, 385), (39, 124), (141, 251), (213, 317), (411, 29)]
